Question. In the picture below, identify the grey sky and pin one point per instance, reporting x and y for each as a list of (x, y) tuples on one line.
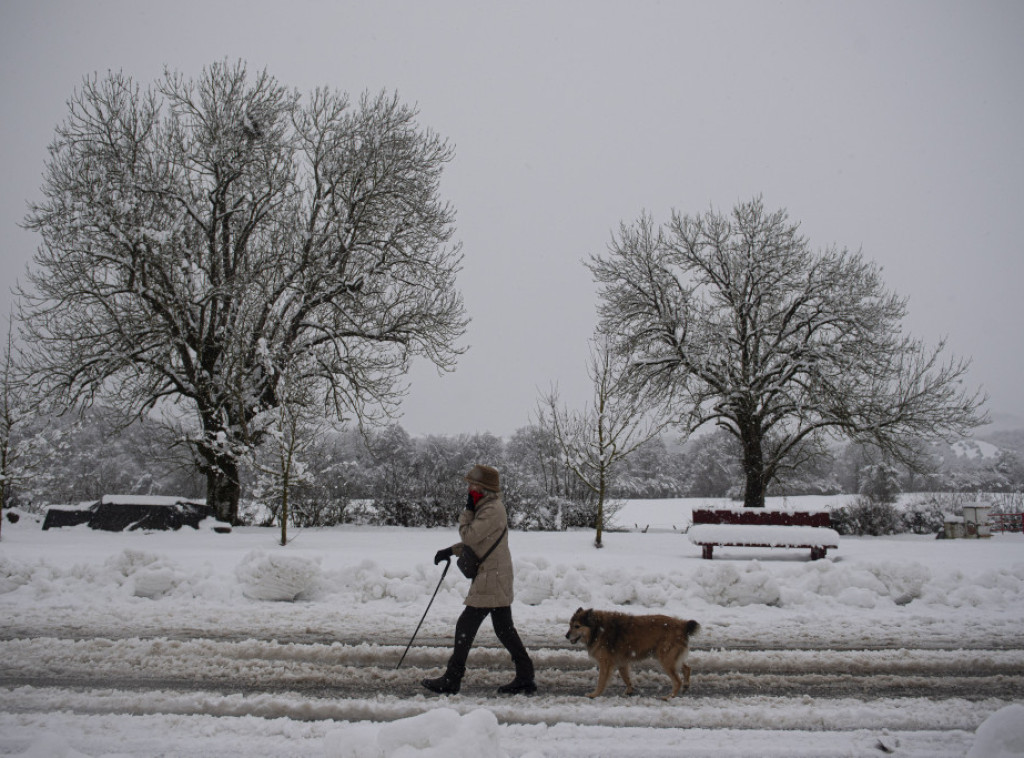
[(890, 127)]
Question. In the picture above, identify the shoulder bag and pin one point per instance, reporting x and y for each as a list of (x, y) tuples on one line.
[(469, 562)]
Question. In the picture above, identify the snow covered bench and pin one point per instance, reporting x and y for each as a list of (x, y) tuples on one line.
[(760, 528)]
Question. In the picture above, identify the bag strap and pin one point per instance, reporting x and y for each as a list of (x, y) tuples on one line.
[(500, 537)]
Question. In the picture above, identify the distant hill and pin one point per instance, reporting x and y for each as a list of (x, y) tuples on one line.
[(1009, 439), (977, 449)]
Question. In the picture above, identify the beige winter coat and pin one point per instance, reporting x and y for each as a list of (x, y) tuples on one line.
[(492, 587)]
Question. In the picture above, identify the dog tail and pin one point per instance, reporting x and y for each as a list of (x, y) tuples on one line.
[(692, 628)]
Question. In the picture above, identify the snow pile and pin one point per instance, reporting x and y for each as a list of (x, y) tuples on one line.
[(991, 588), (14, 575), (367, 581), (276, 577), (155, 583), (246, 572), (729, 585), (859, 586), (145, 574), (756, 582), (441, 733), (127, 573), (51, 746), (1001, 736)]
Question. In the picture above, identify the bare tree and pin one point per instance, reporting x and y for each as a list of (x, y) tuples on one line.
[(10, 417), (191, 229), (734, 321), (595, 440), (29, 440), (290, 433)]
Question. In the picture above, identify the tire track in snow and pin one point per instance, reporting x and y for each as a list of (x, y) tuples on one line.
[(713, 636), (354, 672), (13, 631), (771, 713)]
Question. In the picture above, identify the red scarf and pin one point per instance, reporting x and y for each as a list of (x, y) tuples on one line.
[(477, 497)]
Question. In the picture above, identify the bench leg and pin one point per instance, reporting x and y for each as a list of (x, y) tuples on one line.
[(707, 550), (818, 552)]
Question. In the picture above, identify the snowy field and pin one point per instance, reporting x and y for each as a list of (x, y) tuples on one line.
[(194, 643)]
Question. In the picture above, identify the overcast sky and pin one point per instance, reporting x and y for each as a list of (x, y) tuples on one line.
[(894, 128)]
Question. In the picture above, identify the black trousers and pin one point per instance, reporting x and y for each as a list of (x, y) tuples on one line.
[(465, 632)]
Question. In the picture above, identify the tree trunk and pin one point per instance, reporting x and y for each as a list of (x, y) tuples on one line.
[(223, 489), (284, 510), (753, 467), (753, 493), (600, 512)]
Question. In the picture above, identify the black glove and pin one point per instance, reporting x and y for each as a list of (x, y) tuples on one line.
[(470, 504), (443, 555)]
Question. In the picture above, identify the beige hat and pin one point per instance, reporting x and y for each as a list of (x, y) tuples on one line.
[(485, 476)]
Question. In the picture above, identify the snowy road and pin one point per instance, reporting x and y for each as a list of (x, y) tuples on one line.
[(844, 690)]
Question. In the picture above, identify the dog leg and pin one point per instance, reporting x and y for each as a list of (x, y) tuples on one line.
[(683, 657), (669, 664), (604, 672), (624, 673)]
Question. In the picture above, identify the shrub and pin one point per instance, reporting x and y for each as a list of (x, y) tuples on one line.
[(317, 512), (428, 512), (538, 514), (880, 482), (924, 516), (583, 513), (865, 516)]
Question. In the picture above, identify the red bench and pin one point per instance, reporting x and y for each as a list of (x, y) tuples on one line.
[(755, 527)]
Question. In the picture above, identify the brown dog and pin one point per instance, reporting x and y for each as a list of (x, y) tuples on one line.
[(615, 640)]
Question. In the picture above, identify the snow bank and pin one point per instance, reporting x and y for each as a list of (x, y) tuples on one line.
[(656, 571), (51, 746), (441, 733), (276, 577), (1001, 736)]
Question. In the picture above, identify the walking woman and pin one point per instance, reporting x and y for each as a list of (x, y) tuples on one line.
[(483, 524)]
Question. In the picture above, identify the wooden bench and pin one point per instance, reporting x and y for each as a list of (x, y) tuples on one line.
[(755, 527)]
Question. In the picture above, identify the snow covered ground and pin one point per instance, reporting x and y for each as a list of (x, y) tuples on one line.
[(196, 643)]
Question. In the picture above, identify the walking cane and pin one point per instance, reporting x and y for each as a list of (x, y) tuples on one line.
[(447, 565)]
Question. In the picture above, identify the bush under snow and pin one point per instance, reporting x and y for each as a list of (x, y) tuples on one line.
[(276, 577)]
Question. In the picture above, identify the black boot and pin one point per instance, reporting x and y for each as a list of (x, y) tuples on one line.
[(465, 631), (518, 686), (446, 684), (523, 684)]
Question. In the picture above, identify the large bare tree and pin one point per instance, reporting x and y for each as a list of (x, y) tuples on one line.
[(734, 321), (202, 238)]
